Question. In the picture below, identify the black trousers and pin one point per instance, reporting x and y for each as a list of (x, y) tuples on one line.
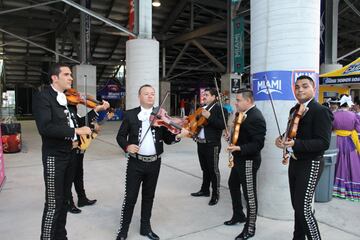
[(137, 173), (243, 174), (208, 154), (79, 176), (303, 178), (58, 176)]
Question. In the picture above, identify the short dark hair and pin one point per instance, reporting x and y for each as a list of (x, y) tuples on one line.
[(143, 86), (246, 93), (212, 91), (304, 77), (55, 69)]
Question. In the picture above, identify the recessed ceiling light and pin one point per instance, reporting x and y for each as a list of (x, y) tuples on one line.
[(156, 3)]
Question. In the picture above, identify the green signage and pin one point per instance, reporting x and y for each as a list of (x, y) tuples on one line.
[(238, 44)]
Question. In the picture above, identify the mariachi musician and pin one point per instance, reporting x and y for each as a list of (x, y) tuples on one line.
[(143, 142), (306, 155), (247, 159), (60, 132), (208, 146)]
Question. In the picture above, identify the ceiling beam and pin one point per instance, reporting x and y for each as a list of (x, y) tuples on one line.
[(173, 15), (28, 7), (209, 55), (38, 58), (37, 45), (209, 29), (99, 17), (213, 3)]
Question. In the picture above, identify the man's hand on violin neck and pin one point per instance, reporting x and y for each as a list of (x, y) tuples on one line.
[(132, 148), (205, 113), (184, 133), (83, 130), (280, 143), (233, 148), (105, 105)]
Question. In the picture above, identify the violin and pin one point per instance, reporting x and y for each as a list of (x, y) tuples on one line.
[(196, 120), (292, 127), (74, 98), (161, 118), (239, 119)]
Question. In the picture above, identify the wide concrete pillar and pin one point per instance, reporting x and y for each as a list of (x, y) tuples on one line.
[(142, 67), (84, 81), (285, 38), (142, 55)]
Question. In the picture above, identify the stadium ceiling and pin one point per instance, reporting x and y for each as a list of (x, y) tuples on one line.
[(32, 30)]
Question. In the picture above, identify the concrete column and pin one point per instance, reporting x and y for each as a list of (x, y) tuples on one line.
[(142, 67), (331, 31), (164, 87), (142, 56), (84, 80), (285, 37), (331, 36)]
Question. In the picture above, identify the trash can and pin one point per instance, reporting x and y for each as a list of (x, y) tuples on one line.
[(324, 189), (11, 137)]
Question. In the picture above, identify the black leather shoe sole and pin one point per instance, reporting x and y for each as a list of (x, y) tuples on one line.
[(87, 203), (200, 194), (244, 236), (234, 221), (74, 210), (151, 235), (213, 201)]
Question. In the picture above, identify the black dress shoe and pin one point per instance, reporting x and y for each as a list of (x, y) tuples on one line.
[(86, 202), (200, 194), (120, 238), (73, 209), (235, 220), (244, 235), (214, 200), (150, 234)]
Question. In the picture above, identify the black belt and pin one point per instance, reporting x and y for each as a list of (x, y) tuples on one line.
[(199, 140), (145, 158)]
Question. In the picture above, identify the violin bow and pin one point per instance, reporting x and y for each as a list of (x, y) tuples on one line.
[(272, 104), (86, 108), (275, 115), (220, 101), (152, 121)]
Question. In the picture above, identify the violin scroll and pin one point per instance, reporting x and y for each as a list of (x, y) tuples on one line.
[(161, 118), (74, 98)]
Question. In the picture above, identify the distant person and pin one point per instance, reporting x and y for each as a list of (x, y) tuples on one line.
[(228, 107), (182, 108), (347, 169)]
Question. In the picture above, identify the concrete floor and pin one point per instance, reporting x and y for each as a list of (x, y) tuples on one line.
[(176, 215)]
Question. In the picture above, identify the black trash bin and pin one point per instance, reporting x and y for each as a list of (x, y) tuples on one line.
[(11, 137), (324, 189)]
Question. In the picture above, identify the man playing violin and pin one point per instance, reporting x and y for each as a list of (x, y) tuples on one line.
[(208, 147), (144, 144), (306, 156), (60, 132), (247, 159)]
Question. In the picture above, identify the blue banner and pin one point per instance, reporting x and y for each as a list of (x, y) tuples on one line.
[(280, 84)]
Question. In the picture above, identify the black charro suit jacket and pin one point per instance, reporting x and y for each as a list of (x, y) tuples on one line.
[(131, 128), (215, 125), (314, 132), (52, 122), (252, 136)]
